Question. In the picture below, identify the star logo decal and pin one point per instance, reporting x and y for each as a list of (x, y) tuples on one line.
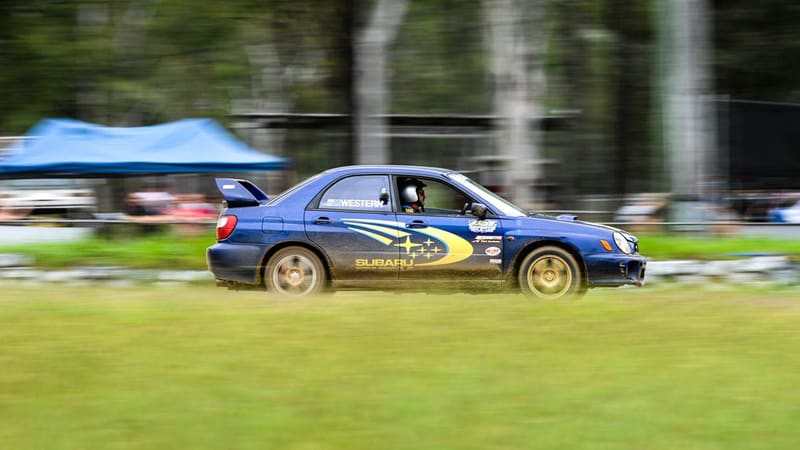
[(408, 245)]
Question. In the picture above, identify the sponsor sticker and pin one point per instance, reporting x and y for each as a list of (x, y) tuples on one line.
[(487, 239), (228, 186), (482, 226), (495, 261), (492, 251), (352, 203)]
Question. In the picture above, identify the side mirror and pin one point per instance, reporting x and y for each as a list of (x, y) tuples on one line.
[(479, 210), (384, 197)]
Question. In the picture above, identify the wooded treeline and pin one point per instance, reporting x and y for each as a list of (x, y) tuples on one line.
[(139, 62)]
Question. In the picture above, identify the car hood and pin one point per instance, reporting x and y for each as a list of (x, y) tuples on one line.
[(570, 223)]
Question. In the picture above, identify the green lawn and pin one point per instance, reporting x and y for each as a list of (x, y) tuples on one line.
[(205, 368), (158, 251), (669, 246), (175, 251)]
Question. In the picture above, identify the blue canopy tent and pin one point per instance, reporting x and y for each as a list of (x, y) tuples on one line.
[(71, 148)]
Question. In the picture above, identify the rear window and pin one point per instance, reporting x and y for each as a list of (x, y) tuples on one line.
[(359, 193)]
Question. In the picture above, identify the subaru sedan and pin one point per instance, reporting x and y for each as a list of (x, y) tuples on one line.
[(409, 228)]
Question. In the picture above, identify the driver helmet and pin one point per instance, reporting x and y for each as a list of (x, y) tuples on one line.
[(409, 191)]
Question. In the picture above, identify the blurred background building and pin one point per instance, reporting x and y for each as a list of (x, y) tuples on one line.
[(558, 104)]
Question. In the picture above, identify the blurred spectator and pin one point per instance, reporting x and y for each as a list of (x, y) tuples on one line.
[(191, 207), (148, 203), (643, 210), (788, 214), (14, 213), (763, 206)]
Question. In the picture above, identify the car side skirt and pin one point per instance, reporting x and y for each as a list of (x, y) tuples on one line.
[(460, 285)]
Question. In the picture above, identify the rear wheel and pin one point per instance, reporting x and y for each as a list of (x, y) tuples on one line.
[(296, 272), (551, 273)]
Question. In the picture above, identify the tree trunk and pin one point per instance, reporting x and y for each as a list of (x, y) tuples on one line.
[(510, 53), (689, 125), (372, 95)]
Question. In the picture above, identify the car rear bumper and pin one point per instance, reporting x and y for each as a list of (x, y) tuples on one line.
[(616, 270), (235, 262)]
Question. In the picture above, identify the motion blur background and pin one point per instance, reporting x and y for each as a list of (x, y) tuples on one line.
[(568, 104), (624, 111)]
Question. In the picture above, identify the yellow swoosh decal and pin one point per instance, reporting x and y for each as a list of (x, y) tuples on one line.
[(458, 249), (390, 223), (390, 231), (376, 236)]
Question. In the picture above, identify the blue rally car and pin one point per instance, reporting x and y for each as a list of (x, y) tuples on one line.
[(410, 228)]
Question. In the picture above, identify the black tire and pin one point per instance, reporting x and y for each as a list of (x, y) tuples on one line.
[(295, 272), (551, 273)]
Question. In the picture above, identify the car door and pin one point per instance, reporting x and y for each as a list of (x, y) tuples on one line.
[(446, 244), (354, 222)]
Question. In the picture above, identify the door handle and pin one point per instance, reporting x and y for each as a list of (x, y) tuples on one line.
[(322, 221), (416, 224)]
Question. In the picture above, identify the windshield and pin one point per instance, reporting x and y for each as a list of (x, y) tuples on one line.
[(505, 207)]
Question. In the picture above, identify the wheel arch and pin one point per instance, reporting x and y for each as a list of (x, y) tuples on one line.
[(512, 275), (326, 263)]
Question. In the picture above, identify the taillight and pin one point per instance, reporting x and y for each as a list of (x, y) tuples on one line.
[(225, 226)]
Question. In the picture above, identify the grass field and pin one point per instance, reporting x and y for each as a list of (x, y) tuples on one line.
[(171, 251), (205, 368)]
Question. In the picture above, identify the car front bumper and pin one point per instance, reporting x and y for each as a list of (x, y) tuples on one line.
[(616, 270)]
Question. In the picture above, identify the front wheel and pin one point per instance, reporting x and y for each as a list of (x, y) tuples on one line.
[(296, 272), (551, 273)]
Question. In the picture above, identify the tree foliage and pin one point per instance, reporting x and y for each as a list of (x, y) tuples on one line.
[(138, 62), (756, 49)]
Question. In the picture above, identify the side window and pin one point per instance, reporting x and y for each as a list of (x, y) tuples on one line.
[(436, 197), (359, 193)]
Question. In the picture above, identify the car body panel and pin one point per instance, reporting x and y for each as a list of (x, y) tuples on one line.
[(355, 242), (235, 261), (365, 239), (440, 248)]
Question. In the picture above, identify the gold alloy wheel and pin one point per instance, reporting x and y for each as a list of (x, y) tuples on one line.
[(549, 277), (295, 274)]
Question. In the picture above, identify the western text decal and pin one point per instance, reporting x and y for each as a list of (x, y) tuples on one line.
[(352, 203)]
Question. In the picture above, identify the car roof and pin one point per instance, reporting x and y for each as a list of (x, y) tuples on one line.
[(389, 168)]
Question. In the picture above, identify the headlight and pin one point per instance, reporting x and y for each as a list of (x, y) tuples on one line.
[(622, 244)]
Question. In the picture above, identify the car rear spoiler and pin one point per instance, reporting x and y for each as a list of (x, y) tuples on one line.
[(240, 193)]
